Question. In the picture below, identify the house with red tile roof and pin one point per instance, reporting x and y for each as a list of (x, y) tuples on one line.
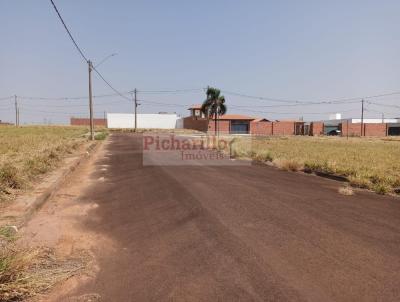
[(227, 123), (240, 124)]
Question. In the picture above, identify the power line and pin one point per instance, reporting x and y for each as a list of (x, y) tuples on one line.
[(161, 103), (292, 113), (57, 112), (292, 102), (337, 101), (77, 98), (6, 98), (69, 33), (109, 85), (295, 105), (151, 103), (73, 98), (67, 106), (384, 105)]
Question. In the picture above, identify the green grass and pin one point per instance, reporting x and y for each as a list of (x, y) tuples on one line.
[(101, 135), (27, 152), (366, 162), (7, 234)]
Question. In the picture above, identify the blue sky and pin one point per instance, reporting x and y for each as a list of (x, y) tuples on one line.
[(297, 50)]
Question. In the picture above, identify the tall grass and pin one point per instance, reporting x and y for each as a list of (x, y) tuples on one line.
[(27, 152), (366, 162), (25, 273)]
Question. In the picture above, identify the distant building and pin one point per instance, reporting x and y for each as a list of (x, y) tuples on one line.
[(353, 126), (5, 123), (240, 124), (144, 121), (78, 121)]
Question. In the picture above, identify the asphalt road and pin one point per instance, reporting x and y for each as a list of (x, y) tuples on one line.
[(237, 233)]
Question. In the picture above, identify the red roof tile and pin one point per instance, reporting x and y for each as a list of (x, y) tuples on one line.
[(236, 117)]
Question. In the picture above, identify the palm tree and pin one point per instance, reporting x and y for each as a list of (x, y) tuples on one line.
[(214, 105)]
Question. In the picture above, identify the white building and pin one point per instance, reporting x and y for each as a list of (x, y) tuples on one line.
[(144, 121), (365, 121)]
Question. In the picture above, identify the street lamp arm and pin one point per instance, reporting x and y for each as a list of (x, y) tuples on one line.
[(105, 59)]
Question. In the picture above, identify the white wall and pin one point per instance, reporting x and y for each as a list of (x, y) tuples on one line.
[(335, 116), (148, 121), (120, 120), (374, 120), (357, 120)]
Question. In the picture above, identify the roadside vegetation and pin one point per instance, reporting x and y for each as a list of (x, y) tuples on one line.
[(27, 152), (26, 272), (369, 163)]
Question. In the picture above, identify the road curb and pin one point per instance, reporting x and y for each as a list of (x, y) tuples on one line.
[(53, 188)]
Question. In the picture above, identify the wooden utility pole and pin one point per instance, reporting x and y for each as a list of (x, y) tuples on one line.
[(362, 117), (90, 66), (16, 110), (135, 100)]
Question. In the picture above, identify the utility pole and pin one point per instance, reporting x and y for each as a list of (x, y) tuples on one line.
[(362, 117), (135, 100), (16, 110), (91, 101), (383, 118), (18, 115)]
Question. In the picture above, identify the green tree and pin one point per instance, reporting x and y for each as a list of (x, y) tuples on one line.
[(214, 105)]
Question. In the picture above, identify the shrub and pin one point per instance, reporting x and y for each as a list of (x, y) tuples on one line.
[(381, 188), (100, 136), (289, 165), (9, 177), (263, 155), (359, 182)]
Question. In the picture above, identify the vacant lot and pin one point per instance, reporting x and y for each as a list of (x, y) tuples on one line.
[(367, 163), (27, 152)]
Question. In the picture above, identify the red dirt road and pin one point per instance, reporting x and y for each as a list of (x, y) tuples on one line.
[(237, 233)]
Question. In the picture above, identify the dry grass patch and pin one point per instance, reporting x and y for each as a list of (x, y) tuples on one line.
[(26, 152), (26, 273), (288, 165), (369, 163)]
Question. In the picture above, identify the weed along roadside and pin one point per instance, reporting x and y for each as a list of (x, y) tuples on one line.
[(366, 163), (26, 272), (28, 153), (52, 153)]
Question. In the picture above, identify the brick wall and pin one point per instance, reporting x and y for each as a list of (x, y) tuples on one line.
[(223, 125), (375, 129), (354, 129), (316, 128), (350, 129), (256, 127), (274, 128), (261, 128), (195, 124), (283, 128), (100, 122)]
